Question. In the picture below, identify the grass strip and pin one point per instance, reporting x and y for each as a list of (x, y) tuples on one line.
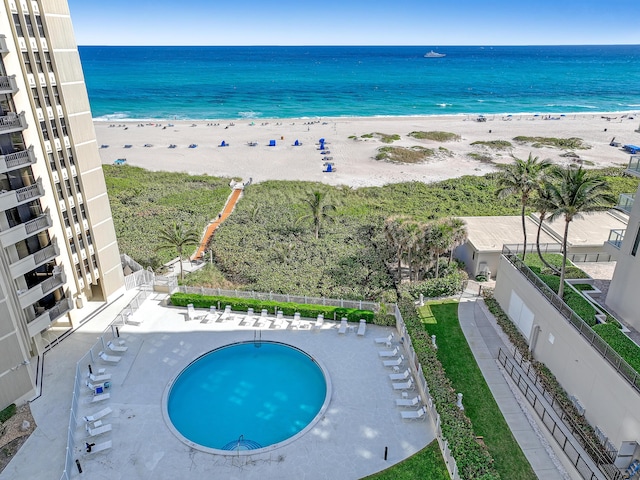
[(465, 375), (427, 463)]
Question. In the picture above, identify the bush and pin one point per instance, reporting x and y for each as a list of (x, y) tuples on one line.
[(7, 413), (287, 308), (447, 286), (623, 345)]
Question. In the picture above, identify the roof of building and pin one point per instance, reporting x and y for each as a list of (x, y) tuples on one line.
[(488, 234), (591, 230)]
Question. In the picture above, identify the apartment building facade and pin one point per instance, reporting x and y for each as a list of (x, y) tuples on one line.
[(58, 248)]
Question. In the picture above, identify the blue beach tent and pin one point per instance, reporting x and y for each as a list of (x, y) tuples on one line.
[(272, 143)]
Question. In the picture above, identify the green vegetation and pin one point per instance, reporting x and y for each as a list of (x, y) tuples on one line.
[(465, 375), (623, 345), (177, 237), (481, 157), (415, 154), (573, 143), (494, 144), (383, 137), (436, 136), (426, 464), (7, 413), (145, 202)]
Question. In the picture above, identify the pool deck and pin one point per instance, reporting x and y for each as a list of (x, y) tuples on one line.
[(348, 442)]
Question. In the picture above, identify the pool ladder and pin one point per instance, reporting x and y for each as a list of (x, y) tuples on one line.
[(257, 338)]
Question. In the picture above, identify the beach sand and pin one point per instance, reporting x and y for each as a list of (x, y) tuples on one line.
[(353, 155)]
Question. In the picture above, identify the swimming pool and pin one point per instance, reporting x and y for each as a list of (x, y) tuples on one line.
[(245, 397)]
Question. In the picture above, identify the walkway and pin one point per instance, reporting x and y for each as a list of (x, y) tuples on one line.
[(485, 343), (212, 227)]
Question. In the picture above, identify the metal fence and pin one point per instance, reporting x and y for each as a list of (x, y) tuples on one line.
[(597, 342), (589, 460), (412, 360), (276, 297)]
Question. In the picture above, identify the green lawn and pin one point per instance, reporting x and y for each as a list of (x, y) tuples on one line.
[(426, 464), (441, 319)]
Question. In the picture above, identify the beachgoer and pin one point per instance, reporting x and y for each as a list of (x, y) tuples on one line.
[(89, 446)]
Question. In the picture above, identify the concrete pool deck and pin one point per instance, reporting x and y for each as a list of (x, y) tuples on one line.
[(348, 442)]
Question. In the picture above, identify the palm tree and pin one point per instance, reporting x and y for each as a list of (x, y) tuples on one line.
[(414, 234), (394, 235), (438, 238), (543, 205), (520, 178), (575, 193), (319, 211), (178, 237), (458, 234)]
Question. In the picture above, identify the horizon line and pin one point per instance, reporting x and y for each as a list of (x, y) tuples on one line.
[(378, 46)]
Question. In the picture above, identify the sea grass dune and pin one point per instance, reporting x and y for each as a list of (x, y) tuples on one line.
[(367, 151)]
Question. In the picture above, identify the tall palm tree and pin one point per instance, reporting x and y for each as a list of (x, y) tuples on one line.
[(458, 234), (520, 178), (576, 192), (395, 238), (414, 234), (438, 238), (543, 205), (178, 237), (319, 211)]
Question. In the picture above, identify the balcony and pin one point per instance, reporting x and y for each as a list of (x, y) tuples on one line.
[(15, 160), (30, 262), (20, 232), (13, 198), (3, 44), (615, 237), (634, 166), (12, 122), (45, 319), (35, 293), (8, 85), (625, 202)]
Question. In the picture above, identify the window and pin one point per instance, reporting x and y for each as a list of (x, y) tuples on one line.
[(83, 212), (77, 184), (56, 95), (38, 60), (40, 26), (45, 94), (73, 247), (61, 157), (36, 98), (65, 216), (27, 21), (70, 156), (89, 241), (54, 129), (43, 129), (74, 213), (81, 242), (69, 192), (47, 58), (16, 22), (634, 250), (27, 62), (52, 161), (59, 190), (63, 124)]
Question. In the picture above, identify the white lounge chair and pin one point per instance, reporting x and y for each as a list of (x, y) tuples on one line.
[(99, 398), (389, 353), (343, 326), (212, 316), (250, 319), (101, 447), (283, 324), (396, 362), (362, 327), (109, 358), (94, 432), (96, 386), (384, 339), (414, 414), (408, 402), (117, 348), (191, 312), (99, 378), (319, 322), (226, 314), (408, 385), (400, 376), (264, 321), (98, 415), (296, 321)]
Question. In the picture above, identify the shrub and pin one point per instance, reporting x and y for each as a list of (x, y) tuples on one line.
[(7, 413), (414, 154), (287, 308), (623, 345), (494, 144), (436, 136), (572, 143), (445, 286)]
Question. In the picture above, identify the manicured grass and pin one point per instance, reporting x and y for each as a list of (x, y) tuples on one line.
[(426, 464), (461, 368)]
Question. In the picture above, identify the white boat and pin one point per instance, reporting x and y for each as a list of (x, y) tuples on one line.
[(433, 54)]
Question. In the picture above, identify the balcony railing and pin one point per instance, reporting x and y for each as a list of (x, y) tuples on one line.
[(625, 202), (616, 236), (634, 165), (3, 44), (12, 122), (32, 191), (14, 160), (8, 84), (39, 223), (597, 342), (47, 253), (44, 319)]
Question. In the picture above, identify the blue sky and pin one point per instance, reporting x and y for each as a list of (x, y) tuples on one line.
[(355, 22)]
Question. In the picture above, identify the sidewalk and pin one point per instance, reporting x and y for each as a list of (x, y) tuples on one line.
[(485, 344)]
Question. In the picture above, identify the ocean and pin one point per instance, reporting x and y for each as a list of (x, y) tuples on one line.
[(208, 83)]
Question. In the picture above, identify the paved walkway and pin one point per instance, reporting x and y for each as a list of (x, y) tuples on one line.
[(485, 344)]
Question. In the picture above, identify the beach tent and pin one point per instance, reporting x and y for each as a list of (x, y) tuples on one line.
[(272, 143), (296, 143), (224, 144)]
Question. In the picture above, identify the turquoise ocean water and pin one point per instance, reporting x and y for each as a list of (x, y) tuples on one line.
[(208, 83)]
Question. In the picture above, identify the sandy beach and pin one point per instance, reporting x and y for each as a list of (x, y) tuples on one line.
[(147, 145)]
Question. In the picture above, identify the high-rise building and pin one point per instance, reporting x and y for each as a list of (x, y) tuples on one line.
[(58, 248)]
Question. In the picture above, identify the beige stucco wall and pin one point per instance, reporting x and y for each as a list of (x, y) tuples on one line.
[(610, 402)]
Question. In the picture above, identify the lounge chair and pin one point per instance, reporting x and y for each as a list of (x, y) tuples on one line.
[(117, 348), (408, 402), (400, 376), (94, 432), (396, 362), (98, 415), (191, 312), (225, 315), (414, 415), (99, 378), (99, 398), (98, 387), (389, 353), (250, 319), (128, 146), (264, 321), (362, 327), (109, 358), (101, 447), (212, 316), (319, 322), (343, 326), (193, 145), (384, 339), (408, 385), (172, 145)]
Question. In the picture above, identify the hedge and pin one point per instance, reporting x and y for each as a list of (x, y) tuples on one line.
[(7, 413), (287, 308), (446, 286)]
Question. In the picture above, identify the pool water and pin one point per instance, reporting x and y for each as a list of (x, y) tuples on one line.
[(246, 396)]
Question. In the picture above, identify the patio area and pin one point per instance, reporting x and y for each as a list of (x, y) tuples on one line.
[(347, 442)]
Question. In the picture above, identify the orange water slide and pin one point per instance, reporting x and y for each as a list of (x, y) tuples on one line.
[(211, 228)]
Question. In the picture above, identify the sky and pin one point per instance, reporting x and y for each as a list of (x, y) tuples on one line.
[(355, 22)]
